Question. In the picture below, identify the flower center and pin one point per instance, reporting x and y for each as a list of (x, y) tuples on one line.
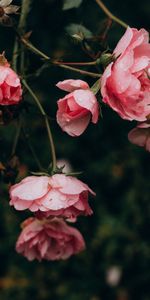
[(2, 12)]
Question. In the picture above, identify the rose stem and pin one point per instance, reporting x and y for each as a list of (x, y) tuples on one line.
[(43, 113), (27, 138), (59, 64), (110, 15), (21, 27), (16, 138)]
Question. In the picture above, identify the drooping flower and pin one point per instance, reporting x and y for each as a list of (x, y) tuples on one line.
[(77, 108), (140, 135), (5, 10), (58, 195), (10, 86), (49, 240), (125, 84)]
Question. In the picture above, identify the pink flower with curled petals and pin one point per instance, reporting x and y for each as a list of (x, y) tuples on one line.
[(10, 86), (49, 240), (58, 195), (125, 84), (77, 108), (140, 136)]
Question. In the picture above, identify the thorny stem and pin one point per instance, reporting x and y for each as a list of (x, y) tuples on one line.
[(59, 64), (110, 15), (41, 109)]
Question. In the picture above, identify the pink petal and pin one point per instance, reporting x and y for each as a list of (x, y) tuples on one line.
[(55, 200), (138, 137), (87, 99), (3, 74), (30, 188), (73, 126), (71, 85), (12, 79), (124, 42), (68, 184), (140, 64), (20, 204)]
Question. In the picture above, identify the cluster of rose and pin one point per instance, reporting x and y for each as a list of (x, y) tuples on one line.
[(56, 199)]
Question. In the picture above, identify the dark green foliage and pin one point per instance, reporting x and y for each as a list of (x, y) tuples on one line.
[(118, 232)]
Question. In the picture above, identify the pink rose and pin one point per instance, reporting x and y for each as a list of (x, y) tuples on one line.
[(140, 136), (77, 108), (125, 84), (10, 87), (58, 195), (49, 240)]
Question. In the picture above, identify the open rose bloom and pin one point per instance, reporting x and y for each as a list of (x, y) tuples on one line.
[(125, 84), (140, 136), (58, 195), (49, 240), (77, 108), (10, 87)]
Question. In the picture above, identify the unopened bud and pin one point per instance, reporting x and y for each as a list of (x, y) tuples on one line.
[(105, 59)]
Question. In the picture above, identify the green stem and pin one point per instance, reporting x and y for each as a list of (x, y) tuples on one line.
[(110, 15), (61, 65), (41, 109), (18, 130), (88, 63), (32, 48), (26, 136), (15, 55), (25, 8), (94, 75)]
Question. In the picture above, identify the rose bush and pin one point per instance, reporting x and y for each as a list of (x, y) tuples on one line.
[(77, 108), (125, 84), (49, 240)]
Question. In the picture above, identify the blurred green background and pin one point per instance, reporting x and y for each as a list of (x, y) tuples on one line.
[(115, 265)]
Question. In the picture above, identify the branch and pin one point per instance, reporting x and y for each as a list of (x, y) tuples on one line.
[(43, 113), (110, 15), (61, 65)]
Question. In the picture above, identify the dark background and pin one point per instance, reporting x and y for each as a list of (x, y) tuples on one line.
[(118, 232)]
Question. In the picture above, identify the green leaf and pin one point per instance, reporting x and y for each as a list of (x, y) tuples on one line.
[(78, 30), (68, 4)]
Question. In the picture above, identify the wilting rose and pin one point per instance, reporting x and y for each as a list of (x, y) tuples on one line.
[(49, 239), (7, 9), (141, 135), (58, 195), (77, 108), (125, 84), (10, 87)]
